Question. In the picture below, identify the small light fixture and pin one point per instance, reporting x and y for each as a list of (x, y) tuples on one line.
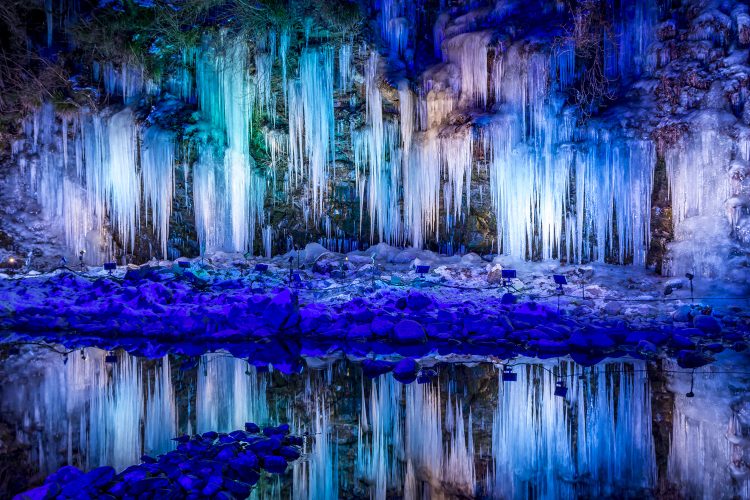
[(690, 277), (184, 264), (422, 270), (508, 275), (110, 266)]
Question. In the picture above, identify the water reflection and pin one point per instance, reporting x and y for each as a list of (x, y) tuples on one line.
[(624, 429)]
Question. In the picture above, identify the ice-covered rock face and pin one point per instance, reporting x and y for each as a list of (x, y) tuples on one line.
[(530, 129)]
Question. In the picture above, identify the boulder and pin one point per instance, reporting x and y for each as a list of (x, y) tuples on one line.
[(707, 324), (408, 331)]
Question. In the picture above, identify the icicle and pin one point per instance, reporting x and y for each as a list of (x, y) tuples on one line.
[(345, 66), (226, 97), (122, 182), (157, 169), (267, 241), (539, 451), (229, 393), (284, 41), (699, 186), (469, 52), (311, 123), (161, 412)]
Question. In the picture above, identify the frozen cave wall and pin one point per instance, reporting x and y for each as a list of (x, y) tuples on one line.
[(598, 130)]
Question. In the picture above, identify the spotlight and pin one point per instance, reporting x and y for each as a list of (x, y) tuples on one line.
[(110, 266), (111, 358), (80, 259), (509, 375), (690, 394), (560, 280), (184, 264), (83, 355), (508, 275), (560, 389), (422, 270)]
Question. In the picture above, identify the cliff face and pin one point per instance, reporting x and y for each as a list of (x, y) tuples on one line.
[(595, 130)]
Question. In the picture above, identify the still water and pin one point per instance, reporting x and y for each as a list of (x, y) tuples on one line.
[(624, 429)]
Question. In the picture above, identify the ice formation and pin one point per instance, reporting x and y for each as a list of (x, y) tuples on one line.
[(492, 119), (598, 441)]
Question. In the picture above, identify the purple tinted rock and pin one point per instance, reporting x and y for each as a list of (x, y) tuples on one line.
[(381, 326), (692, 359), (707, 324), (408, 331), (289, 453), (190, 483), (374, 367), (417, 301), (274, 464), (405, 366)]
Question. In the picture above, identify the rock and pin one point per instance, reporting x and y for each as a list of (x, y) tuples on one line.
[(408, 331), (692, 359), (274, 464), (646, 348), (680, 342), (279, 309), (508, 298), (375, 367), (613, 308), (405, 371), (406, 365), (417, 301), (707, 324), (682, 314), (381, 326)]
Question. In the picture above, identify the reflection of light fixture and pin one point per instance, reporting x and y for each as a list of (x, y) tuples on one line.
[(509, 375), (560, 389), (691, 394)]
